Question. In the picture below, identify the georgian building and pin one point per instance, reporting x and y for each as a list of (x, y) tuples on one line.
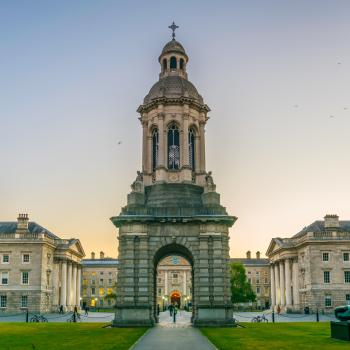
[(98, 281), (38, 270), (258, 275), (312, 268), (174, 282)]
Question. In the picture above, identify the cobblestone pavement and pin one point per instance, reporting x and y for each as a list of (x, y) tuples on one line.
[(173, 336), (183, 319), (242, 316), (55, 317)]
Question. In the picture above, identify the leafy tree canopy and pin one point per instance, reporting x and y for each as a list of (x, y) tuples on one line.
[(241, 289)]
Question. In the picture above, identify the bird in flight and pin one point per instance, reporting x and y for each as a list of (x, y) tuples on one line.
[(331, 116), (119, 142)]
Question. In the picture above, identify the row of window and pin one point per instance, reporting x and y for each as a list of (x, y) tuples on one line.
[(328, 300), (93, 282), (4, 277), (5, 258), (257, 281), (173, 63), (101, 291), (85, 273), (326, 256), (173, 148), (258, 290), (327, 277), (23, 301)]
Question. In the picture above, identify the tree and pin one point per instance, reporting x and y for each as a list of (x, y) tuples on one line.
[(112, 295), (241, 289)]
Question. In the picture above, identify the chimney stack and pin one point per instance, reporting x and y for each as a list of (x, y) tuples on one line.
[(258, 255), (22, 222), (248, 254), (92, 255), (102, 255), (331, 221)]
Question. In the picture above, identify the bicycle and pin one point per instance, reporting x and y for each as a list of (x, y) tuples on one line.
[(259, 319), (38, 318)]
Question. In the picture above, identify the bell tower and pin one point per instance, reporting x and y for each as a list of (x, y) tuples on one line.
[(173, 117), (173, 208)]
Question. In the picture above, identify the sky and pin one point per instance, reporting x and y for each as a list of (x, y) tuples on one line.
[(275, 74)]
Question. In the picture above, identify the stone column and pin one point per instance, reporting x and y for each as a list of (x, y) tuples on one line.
[(166, 282), (74, 285), (63, 297), (288, 283), (282, 284), (296, 302), (184, 283), (185, 146), (202, 145), (277, 285), (69, 284), (144, 146), (197, 153), (161, 152), (273, 287), (148, 154), (78, 288)]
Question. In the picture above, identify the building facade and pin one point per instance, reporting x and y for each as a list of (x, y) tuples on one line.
[(173, 208), (312, 269), (99, 277), (258, 275), (38, 270), (174, 282)]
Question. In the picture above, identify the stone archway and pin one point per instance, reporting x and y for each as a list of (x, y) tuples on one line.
[(148, 232), (168, 250)]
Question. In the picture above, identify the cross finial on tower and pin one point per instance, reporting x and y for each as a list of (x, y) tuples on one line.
[(173, 27)]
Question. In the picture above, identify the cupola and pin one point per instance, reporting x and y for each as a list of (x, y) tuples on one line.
[(173, 59)]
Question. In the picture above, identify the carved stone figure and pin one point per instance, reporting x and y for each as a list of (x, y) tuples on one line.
[(138, 183), (209, 182)]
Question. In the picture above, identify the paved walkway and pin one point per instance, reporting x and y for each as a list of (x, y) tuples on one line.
[(173, 336)]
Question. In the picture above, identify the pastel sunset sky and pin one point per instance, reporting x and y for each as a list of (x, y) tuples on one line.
[(275, 73)]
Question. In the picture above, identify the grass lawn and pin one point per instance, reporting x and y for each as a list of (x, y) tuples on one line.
[(273, 336), (57, 336)]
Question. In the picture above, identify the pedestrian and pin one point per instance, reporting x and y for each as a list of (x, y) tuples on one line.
[(75, 309), (87, 310), (171, 308), (158, 309), (278, 309), (61, 310), (174, 314)]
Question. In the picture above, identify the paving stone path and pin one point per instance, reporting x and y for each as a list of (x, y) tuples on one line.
[(173, 336)]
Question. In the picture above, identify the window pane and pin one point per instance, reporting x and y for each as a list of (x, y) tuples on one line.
[(347, 276), (173, 62), (173, 147)]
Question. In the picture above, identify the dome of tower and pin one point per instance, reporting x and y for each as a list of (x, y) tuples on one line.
[(173, 86), (173, 46)]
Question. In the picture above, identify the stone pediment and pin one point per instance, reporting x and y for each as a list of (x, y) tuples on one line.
[(75, 246), (275, 245)]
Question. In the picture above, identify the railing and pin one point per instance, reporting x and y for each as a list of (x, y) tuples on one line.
[(325, 235), (26, 236)]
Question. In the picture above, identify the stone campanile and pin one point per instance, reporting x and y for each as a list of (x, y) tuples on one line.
[(173, 207)]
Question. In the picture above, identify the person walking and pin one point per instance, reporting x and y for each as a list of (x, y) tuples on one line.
[(171, 309), (86, 310), (174, 314), (61, 312)]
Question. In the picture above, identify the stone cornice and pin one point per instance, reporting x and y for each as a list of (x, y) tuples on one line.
[(171, 101)]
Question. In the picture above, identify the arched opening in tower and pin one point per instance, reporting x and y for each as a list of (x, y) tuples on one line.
[(173, 285)]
